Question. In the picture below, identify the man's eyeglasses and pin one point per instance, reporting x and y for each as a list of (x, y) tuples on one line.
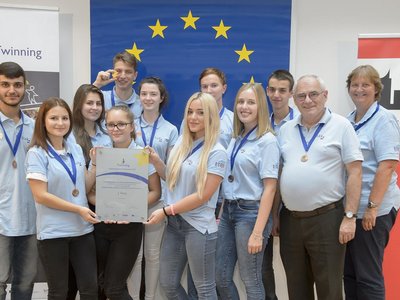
[(120, 126), (312, 95)]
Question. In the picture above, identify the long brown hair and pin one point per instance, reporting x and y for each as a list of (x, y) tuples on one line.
[(81, 135), (40, 136)]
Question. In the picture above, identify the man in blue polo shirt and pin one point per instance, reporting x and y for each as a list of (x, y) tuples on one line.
[(18, 252)]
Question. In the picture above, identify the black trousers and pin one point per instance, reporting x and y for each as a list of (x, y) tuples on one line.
[(363, 278), (117, 248), (57, 255)]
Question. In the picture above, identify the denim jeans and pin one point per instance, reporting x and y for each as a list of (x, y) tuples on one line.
[(184, 244), (18, 255), (236, 225), (56, 256), (117, 248), (363, 278)]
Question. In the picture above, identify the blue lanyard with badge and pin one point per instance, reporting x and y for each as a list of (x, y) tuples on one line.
[(194, 150), (153, 132), (306, 146), (235, 151), (72, 174), (273, 118), (14, 148)]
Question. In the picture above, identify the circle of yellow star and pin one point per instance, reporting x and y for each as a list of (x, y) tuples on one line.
[(158, 29), (244, 54), (251, 80), (190, 20), (221, 30), (135, 51)]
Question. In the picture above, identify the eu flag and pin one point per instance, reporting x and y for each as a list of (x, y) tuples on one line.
[(176, 39)]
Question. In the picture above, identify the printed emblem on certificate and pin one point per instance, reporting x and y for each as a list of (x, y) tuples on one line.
[(121, 184)]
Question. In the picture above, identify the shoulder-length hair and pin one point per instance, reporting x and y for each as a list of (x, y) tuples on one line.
[(40, 136), (211, 128), (161, 87), (367, 72), (263, 122), (81, 135)]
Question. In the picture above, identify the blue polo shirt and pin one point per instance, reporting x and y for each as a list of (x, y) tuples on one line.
[(379, 140), (17, 207)]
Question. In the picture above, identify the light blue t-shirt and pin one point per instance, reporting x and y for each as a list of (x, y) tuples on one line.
[(226, 127), (133, 102), (201, 218), (100, 139), (53, 223), (380, 140), (257, 159), (17, 207)]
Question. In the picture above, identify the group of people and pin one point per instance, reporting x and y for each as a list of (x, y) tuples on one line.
[(325, 184)]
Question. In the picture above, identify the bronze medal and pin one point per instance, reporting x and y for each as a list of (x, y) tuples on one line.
[(14, 164), (75, 192), (304, 158), (231, 178)]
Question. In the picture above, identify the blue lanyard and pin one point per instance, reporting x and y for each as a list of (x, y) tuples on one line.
[(14, 148), (221, 112), (356, 127), (194, 150), (303, 139), (72, 174), (153, 132), (242, 142), (273, 119), (113, 100)]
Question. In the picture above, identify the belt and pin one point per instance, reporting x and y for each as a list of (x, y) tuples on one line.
[(317, 211)]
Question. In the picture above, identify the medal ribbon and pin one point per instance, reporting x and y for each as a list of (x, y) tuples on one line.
[(303, 139), (273, 119), (72, 174), (194, 150), (242, 142), (153, 132), (221, 112), (356, 127), (14, 148)]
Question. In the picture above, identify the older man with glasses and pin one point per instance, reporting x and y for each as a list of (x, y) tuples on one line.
[(321, 166)]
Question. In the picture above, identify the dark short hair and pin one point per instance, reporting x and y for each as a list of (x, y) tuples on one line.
[(282, 75), (12, 70), (161, 87)]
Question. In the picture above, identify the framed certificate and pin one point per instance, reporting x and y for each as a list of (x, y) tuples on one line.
[(121, 184)]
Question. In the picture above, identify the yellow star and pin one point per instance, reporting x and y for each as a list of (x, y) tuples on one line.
[(142, 158), (244, 53), (190, 20), (135, 51), (158, 29), (251, 80), (221, 30)]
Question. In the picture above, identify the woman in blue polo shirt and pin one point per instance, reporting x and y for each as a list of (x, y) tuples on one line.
[(248, 188), (59, 182), (154, 131), (379, 134), (194, 172), (118, 243)]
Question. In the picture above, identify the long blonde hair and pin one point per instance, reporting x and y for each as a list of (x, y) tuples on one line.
[(263, 122), (178, 155)]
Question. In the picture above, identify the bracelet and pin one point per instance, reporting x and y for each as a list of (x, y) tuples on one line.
[(165, 212), (172, 209)]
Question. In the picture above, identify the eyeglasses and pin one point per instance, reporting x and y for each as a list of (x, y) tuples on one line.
[(120, 126), (312, 95)]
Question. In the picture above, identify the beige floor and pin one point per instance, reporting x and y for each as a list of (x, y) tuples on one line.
[(40, 290)]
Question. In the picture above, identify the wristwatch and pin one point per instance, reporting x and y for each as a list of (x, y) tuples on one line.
[(372, 204), (349, 214)]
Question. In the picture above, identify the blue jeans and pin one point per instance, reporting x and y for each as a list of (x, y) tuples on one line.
[(184, 244), (19, 255), (236, 225)]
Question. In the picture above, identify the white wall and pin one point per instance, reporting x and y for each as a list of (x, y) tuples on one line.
[(74, 42), (324, 39)]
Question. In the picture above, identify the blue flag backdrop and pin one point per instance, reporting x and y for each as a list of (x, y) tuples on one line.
[(175, 40)]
